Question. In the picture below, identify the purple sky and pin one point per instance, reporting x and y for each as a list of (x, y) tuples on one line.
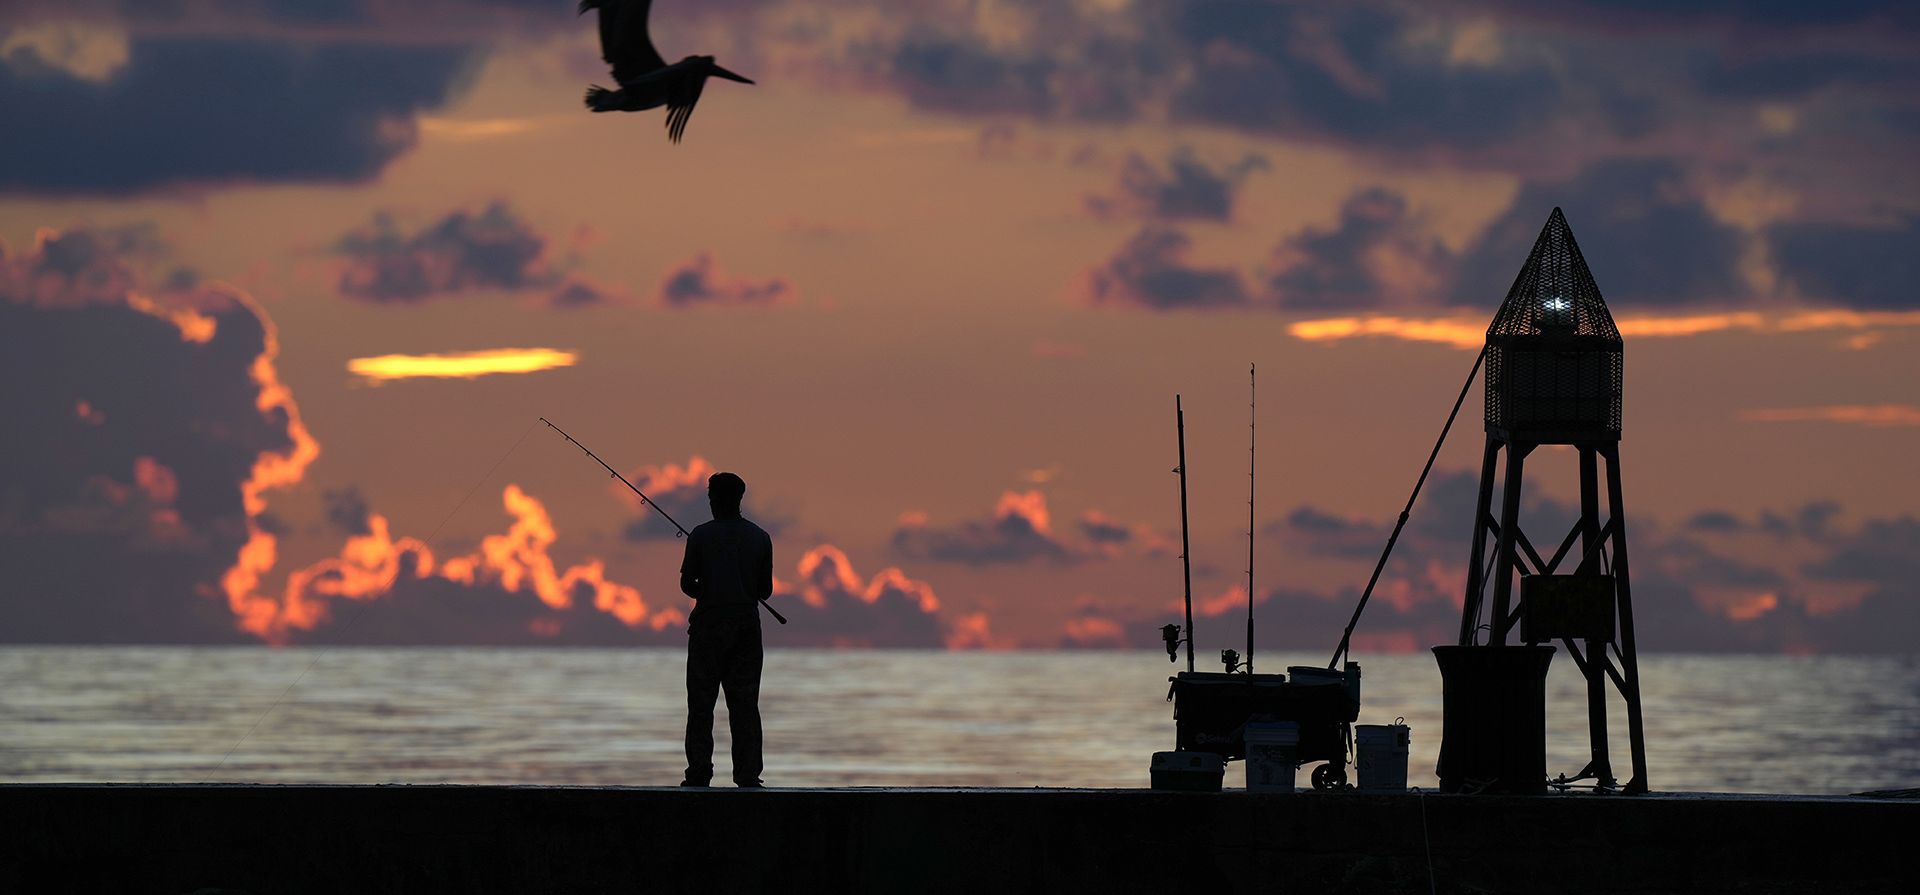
[(930, 287)]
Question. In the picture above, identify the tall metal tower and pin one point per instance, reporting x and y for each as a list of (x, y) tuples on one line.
[(1553, 377)]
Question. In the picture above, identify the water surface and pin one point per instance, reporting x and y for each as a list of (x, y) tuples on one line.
[(856, 718)]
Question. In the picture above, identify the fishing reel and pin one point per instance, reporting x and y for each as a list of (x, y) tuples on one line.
[(1170, 635), (1231, 659)]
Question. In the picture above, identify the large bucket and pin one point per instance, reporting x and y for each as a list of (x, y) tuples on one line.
[(1381, 753), (1494, 718), (1273, 749)]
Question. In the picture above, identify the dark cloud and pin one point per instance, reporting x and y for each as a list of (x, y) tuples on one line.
[(1719, 582), (700, 282), (1649, 238), (1862, 266), (187, 110), (123, 508), (1102, 530), (1020, 530), (463, 251), (1350, 74), (1790, 18), (578, 293), (347, 510), (1377, 255), (1151, 271), (1187, 188), (1714, 521)]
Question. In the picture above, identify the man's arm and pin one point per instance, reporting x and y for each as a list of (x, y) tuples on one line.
[(690, 570), (763, 576)]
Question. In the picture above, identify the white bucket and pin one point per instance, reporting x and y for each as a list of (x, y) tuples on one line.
[(1271, 750), (1382, 756)]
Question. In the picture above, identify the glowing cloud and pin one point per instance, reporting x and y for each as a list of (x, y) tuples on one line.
[(370, 565), (460, 365), (1878, 416), (254, 612), (1470, 332)]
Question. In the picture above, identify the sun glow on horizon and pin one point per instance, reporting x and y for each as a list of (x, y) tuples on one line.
[(460, 364)]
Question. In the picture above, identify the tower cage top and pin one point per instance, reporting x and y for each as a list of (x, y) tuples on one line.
[(1554, 296)]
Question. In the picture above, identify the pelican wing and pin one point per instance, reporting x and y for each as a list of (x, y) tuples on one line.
[(685, 92), (624, 41)]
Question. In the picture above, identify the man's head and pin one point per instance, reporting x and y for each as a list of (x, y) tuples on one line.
[(724, 490)]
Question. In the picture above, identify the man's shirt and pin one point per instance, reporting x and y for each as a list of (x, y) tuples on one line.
[(733, 561)]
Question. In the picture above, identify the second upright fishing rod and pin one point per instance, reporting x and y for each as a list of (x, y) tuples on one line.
[(648, 501)]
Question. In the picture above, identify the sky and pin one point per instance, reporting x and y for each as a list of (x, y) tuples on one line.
[(284, 287)]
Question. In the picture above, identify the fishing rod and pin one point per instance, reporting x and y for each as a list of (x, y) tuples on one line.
[(1346, 638), (648, 501)]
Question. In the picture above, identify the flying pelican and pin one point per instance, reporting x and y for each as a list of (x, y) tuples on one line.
[(646, 80)]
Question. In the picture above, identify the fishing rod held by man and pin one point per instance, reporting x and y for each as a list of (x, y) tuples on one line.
[(678, 528)]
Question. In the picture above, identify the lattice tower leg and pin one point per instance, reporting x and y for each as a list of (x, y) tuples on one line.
[(1629, 661)]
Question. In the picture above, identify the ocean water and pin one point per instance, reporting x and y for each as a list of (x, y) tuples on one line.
[(857, 718)]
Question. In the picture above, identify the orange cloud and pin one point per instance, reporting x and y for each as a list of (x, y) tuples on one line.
[(1873, 415), (1234, 597), (972, 632), (1028, 505), (254, 612), (460, 364), (664, 479), (194, 326), (518, 561), (1470, 332)]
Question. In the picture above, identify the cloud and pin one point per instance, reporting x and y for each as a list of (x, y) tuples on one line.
[(1020, 530), (1470, 332), (190, 110), (1151, 271), (1352, 75), (1377, 255), (1794, 581), (832, 605), (1649, 237), (464, 251), (679, 490), (1112, 537), (1862, 266), (459, 364), (1188, 189), (509, 591), (155, 424), (700, 282), (1877, 416), (578, 292), (348, 511)]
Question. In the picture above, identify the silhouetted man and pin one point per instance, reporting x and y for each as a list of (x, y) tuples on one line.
[(728, 571)]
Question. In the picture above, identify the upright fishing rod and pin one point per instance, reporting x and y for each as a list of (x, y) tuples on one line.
[(1346, 639), (1186, 559), (1252, 397), (648, 501)]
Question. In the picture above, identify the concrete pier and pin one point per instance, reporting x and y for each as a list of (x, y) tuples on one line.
[(328, 839)]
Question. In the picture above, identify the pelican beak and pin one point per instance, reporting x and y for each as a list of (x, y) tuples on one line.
[(723, 73)]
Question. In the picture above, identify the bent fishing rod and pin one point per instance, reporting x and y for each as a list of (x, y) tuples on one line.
[(649, 502)]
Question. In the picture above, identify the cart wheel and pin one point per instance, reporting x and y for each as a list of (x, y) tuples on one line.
[(1329, 776)]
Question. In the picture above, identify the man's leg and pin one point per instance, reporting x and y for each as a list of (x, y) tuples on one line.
[(742, 680), (703, 686)]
